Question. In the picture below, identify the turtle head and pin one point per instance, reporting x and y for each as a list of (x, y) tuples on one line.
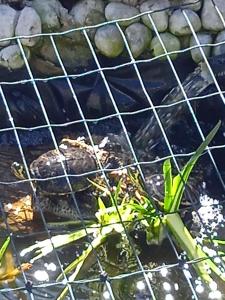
[(18, 170)]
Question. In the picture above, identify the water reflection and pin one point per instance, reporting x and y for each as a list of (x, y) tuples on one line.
[(168, 283)]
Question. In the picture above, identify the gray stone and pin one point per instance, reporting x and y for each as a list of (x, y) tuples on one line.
[(29, 23), (160, 18), (138, 37), (87, 13), (73, 55), (204, 38), (210, 17), (53, 15), (188, 4), (170, 42), (11, 57), (220, 49), (178, 24), (8, 19), (129, 2), (84, 9), (116, 11), (109, 41)]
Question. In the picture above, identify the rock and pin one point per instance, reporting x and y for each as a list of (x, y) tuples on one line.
[(129, 2), (220, 49), (87, 13), (116, 11), (8, 19), (204, 38), (188, 4), (29, 23), (138, 37), (109, 41), (84, 9), (11, 57), (210, 17), (184, 41), (160, 18), (178, 24), (170, 41), (72, 54), (53, 15)]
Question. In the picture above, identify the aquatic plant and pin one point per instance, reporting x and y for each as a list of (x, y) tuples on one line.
[(4, 247), (8, 270), (127, 209)]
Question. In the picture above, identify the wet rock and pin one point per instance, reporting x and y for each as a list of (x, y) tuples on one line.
[(28, 23), (178, 24), (8, 19), (210, 17), (220, 49), (170, 41), (115, 11), (204, 38), (109, 41), (11, 57), (188, 4), (53, 15), (160, 18), (138, 37)]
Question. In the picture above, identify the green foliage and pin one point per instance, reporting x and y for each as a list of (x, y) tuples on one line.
[(174, 188), (131, 205), (4, 247)]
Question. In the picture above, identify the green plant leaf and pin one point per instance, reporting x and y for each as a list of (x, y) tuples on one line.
[(181, 179), (117, 193), (4, 247), (78, 263), (168, 185), (194, 251), (45, 247), (101, 204)]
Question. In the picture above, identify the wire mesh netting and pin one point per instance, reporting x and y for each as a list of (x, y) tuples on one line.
[(151, 131)]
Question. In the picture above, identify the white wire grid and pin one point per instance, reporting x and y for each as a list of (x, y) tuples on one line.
[(101, 70)]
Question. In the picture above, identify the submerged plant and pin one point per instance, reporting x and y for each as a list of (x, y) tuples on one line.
[(8, 270), (131, 205)]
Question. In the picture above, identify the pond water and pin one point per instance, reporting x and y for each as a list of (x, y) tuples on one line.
[(165, 276)]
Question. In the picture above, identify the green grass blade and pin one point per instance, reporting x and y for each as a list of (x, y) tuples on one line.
[(168, 180), (70, 224), (4, 247), (78, 263), (45, 247), (219, 242), (117, 193), (185, 241), (181, 179), (101, 205)]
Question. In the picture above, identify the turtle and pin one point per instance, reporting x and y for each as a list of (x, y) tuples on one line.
[(73, 157), (78, 157)]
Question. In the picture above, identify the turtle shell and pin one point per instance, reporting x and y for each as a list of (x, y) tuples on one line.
[(76, 161)]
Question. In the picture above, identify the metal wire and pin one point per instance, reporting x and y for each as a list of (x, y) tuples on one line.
[(142, 271)]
